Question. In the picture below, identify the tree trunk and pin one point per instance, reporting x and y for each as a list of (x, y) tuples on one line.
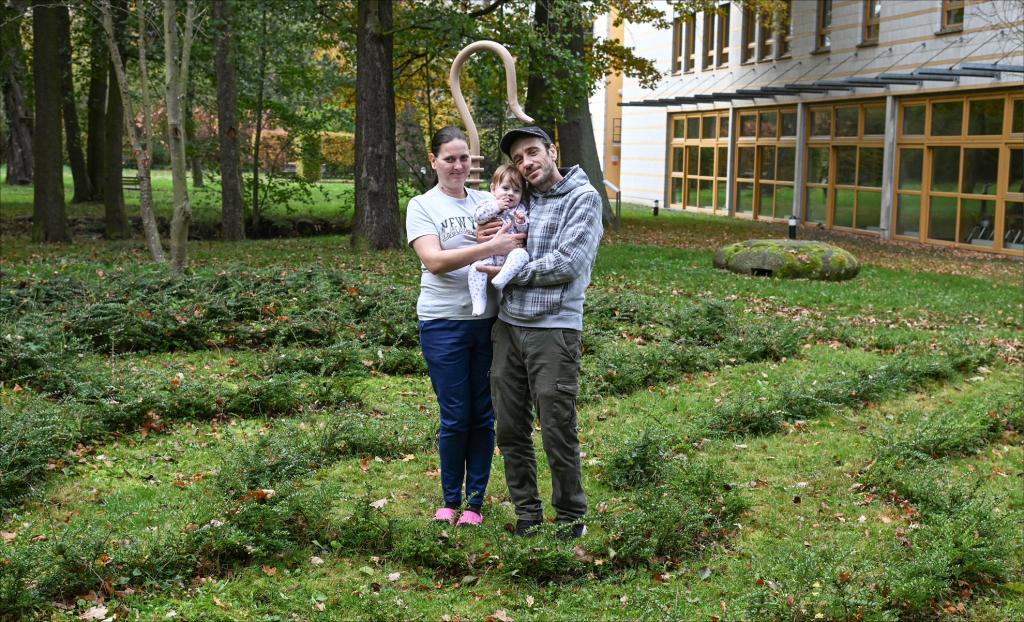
[(72, 135), (99, 67), (411, 147), (536, 83), (176, 79), (576, 141), (233, 216), (141, 145), (49, 223), (261, 82), (18, 145), (377, 217), (115, 217), (190, 140)]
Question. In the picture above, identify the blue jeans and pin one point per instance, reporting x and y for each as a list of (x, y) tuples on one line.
[(458, 355)]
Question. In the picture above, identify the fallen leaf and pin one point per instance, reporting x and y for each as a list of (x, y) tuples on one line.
[(316, 561), (379, 503), (319, 607), (394, 576), (469, 580), (500, 616), (269, 571), (704, 573), (408, 457), (220, 603), (8, 536), (529, 601), (94, 613)]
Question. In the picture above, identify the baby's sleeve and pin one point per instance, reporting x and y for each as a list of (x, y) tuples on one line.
[(488, 210)]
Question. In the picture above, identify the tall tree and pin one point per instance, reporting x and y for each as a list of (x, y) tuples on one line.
[(258, 132), (233, 217), (96, 105), (115, 216), (377, 217), (18, 146), (49, 223), (72, 135), (142, 140), (576, 140), (176, 79)]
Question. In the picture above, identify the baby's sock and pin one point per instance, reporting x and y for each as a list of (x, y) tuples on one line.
[(478, 289), (514, 262)]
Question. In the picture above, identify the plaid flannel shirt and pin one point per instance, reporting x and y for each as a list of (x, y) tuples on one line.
[(565, 231)]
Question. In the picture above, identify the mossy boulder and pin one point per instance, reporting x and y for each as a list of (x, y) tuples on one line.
[(788, 259)]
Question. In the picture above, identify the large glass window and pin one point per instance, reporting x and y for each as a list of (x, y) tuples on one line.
[(766, 159), (962, 180), (852, 150), (699, 161)]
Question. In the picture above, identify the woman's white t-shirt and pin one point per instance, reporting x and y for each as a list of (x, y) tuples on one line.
[(446, 296)]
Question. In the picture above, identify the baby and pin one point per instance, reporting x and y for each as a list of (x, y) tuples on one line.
[(507, 188)]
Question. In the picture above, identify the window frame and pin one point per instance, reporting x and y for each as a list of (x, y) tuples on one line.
[(834, 142), (760, 142), (1000, 200), (722, 35), (871, 22), (950, 8), (682, 177), (823, 31)]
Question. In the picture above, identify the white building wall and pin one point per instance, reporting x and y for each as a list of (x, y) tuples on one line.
[(909, 38)]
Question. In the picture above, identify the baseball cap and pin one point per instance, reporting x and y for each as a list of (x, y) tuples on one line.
[(522, 132)]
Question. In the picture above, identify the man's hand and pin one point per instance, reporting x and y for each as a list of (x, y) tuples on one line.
[(492, 271), (486, 231)]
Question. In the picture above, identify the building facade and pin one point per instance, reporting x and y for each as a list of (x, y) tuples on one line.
[(901, 119)]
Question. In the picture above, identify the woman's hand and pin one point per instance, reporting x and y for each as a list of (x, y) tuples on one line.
[(487, 230), (503, 243)]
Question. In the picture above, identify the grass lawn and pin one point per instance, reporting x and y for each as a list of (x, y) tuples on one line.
[(327, 199), (256, 440)]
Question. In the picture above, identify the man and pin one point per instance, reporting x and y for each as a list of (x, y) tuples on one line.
[(537, 336)]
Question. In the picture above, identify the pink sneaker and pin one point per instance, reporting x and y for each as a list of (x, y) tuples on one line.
[(445, 515), (469, 517)]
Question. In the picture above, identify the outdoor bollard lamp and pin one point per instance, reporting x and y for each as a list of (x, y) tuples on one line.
[(792, 227), (655, 207), (476, 160)]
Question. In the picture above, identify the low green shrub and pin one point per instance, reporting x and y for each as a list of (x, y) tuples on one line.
[(368, 529), (809, 397), (433, 546), (18, 595), (382, 434), (636, 462), (33, 432), (695, 507), (37, 356), (542, 558)]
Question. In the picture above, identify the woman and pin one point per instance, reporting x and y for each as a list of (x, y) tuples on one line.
[(456, 344)]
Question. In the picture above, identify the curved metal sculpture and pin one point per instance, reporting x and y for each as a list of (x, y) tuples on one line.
[(476, 164)]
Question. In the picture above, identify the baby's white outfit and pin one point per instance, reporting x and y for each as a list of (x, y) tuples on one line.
[(518, 220)]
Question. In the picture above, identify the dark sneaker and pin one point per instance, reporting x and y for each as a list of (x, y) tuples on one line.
[(526, 527), (570, 531)]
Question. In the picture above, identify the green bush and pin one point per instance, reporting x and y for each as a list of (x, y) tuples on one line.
[(637, 462), (33, 432), (695, 507), (382, 434), (310, 158)]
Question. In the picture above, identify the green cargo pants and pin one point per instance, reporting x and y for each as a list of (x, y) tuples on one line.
[(537, 370)]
